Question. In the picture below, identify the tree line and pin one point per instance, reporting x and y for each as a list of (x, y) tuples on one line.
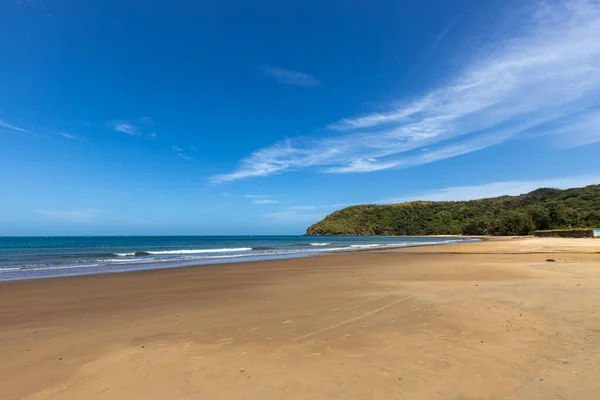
[(541, 209)]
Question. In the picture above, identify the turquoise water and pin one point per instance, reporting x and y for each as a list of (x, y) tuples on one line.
[(43, 257)]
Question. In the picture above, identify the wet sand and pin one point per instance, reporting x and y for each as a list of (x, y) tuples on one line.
[(491, 320)]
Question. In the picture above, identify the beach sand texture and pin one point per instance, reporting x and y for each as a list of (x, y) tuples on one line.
[(489, 320)]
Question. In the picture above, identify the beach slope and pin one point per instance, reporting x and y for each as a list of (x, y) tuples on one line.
[(508, 319)]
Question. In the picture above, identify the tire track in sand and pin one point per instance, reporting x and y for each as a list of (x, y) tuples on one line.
[(354, 319)]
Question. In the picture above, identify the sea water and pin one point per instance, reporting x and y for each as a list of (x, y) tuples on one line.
[(44, 257)]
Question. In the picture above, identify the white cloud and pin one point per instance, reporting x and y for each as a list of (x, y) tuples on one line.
[(177, 149), (495, 189), (265, 201), (6, 125), (290, 77), (78, 216), (544, 81), (124, 127), (67, 135)]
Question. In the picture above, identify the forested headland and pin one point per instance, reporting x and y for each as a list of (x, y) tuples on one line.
[(542, 209)]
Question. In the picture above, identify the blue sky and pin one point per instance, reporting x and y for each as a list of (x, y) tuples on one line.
[(239, 117)]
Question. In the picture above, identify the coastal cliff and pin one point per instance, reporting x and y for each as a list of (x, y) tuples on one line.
[(542, 209)]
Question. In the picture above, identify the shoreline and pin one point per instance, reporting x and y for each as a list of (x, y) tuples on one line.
[(242, 259), (489, 319)]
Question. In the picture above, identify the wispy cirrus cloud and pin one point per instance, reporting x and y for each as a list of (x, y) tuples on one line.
[(543, 81), (495, 189), (442, 34), (124, 127), (265, 201), (179, 152), (6, 125), (291, 77), (68, 135)]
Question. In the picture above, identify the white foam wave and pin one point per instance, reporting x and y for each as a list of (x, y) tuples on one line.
[(45, 268), (191, 251), (365, 246), (202, 251), (126, 261), (320, 244)]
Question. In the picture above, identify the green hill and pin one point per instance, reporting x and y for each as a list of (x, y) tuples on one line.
[(541, 209)]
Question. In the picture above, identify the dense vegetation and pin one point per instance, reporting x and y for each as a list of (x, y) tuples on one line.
[(541, 209)]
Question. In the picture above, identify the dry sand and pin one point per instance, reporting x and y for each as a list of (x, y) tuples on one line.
[(489, 320)]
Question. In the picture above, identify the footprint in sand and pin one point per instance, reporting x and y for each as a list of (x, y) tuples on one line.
[(254, 329), (335, 309), (289, 321), (387, 371), (226, 340)]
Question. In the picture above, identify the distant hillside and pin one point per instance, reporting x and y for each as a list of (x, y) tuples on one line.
[(541, 209)]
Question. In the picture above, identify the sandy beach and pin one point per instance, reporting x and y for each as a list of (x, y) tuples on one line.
[(488, 320)]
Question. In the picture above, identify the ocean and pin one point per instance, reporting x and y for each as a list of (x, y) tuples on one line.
[(45, 257)]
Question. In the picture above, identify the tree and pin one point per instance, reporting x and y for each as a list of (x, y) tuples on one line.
[(592, 219), (557, 215), (540, 217), (511, 223), (477, 226)]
